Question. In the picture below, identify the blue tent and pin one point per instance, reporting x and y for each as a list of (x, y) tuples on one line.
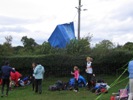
[(81, 81), (62, 35)]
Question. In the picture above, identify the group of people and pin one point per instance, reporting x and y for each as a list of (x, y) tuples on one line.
[(38, 73), (9, 75), (89, 74)]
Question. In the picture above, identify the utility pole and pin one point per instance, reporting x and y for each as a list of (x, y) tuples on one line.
[(79, 14)]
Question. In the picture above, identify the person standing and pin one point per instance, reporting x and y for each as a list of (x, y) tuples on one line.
[(38, 72), (6, 69), (130, 70), (33, 75), (89, 71), (76, 76)]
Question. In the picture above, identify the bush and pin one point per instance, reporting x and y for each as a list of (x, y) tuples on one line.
[(62, 65)]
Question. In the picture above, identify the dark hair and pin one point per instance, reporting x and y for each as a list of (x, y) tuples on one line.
[(6, 62), (38, 63)]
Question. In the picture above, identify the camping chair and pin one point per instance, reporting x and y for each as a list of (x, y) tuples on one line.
[(123, 94)]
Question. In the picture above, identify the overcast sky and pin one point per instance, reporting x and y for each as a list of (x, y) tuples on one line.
[(37, 19)]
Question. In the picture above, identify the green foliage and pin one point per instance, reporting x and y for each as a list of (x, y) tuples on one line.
[(78, 46), (62, 64), (128, 46), (107, 58), (28, 43), (105, 44), (6, 49), (46, 48)]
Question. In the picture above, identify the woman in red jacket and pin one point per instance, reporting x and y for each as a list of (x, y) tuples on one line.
[(14, 77)]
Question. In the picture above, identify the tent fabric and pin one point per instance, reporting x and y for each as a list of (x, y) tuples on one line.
[(81, 81), (62, 35)]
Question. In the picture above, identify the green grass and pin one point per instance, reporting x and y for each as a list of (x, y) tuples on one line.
[(26, 93)]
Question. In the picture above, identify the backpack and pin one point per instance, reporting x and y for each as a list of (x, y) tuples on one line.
[(57, 86)]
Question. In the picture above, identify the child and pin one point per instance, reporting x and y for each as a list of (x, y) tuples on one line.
[(76, 76), (89, 71)]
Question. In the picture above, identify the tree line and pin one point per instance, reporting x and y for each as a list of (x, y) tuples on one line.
[(108, 57), (75, 47)]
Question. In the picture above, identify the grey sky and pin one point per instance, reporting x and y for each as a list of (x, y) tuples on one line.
[(104, 19)]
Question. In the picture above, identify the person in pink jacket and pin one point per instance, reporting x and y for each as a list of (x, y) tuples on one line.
[(76, 76)]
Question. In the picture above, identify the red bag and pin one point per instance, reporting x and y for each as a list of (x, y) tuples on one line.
[(112, 98), (0, 81)]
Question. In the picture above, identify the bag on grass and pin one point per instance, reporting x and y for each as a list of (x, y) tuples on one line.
[(57, 86)]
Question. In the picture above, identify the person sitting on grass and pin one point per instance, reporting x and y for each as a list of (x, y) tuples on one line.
[(14, 78), (76, 76)]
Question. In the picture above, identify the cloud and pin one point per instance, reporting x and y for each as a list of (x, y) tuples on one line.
[(105, 19), (114, 22), (6, 20), (14, 29), (38, 36), (122, 39), (124, 12)]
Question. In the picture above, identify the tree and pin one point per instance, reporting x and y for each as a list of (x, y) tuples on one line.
[(28, 43), (103, 48), (105, 44), (46, 48), (8, 39), (81, 46), (128, 46), (6, 49)]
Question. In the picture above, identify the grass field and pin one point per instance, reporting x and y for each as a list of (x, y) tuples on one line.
[(26, 93)]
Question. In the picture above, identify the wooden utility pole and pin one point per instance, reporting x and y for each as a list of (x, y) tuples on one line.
[(79, 14)]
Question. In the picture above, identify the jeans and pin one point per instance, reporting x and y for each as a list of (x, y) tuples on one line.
[(89, 77), (130, 89), (5, 82), (76, 85), (33, 83), (38, 86)]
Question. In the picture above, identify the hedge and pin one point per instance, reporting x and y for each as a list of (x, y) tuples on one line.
[(62, 65), (56, 65)]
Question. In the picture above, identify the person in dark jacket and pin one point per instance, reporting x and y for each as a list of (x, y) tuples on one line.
[(5, 70), (32, 76)]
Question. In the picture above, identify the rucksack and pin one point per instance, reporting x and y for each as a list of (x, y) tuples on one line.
[(57, 86)]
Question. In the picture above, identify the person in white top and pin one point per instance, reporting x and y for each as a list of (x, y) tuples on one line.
[(89, 71)]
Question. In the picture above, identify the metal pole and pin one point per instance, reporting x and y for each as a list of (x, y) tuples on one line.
[(79, 13)]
